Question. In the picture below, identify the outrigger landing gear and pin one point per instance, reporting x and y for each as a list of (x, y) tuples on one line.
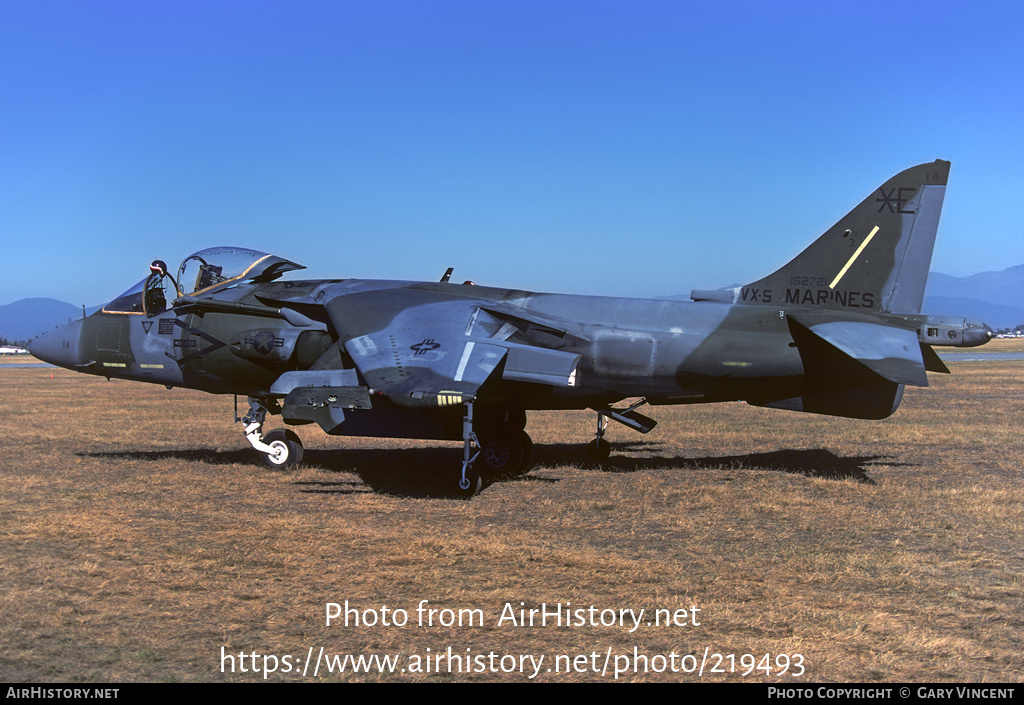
[(279, 449), (495, 447), (599, 448), (469, 481)]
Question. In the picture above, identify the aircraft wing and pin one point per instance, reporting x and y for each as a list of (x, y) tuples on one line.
[(425, 349)]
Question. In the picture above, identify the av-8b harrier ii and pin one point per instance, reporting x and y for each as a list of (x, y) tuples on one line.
[(837, 331)]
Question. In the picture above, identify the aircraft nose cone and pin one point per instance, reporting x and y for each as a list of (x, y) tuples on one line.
[(59, 347)]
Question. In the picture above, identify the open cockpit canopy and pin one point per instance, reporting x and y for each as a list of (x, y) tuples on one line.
[(218, 266), (199, 273)]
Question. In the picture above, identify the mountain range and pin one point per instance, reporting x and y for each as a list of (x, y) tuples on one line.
[(997, 298), (27, 318)]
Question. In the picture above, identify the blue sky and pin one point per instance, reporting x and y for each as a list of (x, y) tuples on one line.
[(621, 148)]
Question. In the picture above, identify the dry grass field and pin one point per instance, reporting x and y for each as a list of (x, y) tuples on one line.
[(1000, 345), (1005, 345), (140, 541)]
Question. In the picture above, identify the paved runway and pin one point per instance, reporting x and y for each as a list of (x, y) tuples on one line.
[(979, 356)]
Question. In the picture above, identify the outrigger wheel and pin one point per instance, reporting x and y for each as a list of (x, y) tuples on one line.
[(599, 449), (469, 483)]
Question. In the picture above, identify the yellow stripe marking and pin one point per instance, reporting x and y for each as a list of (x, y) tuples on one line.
[(853, 259), (448, 398)]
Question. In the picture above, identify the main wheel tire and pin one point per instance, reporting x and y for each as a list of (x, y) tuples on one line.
[(501, 453), (599, 449), (287, 449), (527, 443), (517, 419), (508, 418)]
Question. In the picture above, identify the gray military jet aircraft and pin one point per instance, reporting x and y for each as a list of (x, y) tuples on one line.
[(837, 331)]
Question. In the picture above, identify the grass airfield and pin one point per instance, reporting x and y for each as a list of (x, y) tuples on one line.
[(142, 541)]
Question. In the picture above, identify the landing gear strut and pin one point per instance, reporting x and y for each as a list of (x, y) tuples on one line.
[(469, 481), (495, 446), (599, 448), (279, 449)]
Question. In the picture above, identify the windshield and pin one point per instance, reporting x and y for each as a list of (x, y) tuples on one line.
[(148, 297), (128, 302), (219, 266)]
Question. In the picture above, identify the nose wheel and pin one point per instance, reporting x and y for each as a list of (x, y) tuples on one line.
[(286, 449)]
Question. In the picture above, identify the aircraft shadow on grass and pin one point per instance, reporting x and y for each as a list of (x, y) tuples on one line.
[(210, 456), (816, 462), (413, 472)]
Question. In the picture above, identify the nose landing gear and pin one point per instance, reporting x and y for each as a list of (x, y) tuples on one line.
[(280, 449)]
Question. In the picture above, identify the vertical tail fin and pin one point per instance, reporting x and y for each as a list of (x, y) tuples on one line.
[(875, 259)]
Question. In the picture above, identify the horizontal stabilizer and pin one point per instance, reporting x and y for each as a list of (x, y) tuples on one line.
[(890, 352)]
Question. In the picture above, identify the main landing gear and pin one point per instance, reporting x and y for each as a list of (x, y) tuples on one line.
[(281, 448), (495, 446)]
